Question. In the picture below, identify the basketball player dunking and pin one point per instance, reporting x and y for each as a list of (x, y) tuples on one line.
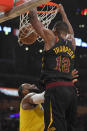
[(58, 59)]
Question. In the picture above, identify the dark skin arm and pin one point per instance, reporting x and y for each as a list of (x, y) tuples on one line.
[(46, 34), (65, 19)]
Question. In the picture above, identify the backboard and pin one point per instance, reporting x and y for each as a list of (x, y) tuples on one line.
[(21, 9)]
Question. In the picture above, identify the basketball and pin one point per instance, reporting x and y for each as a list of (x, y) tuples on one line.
[(27, 35)]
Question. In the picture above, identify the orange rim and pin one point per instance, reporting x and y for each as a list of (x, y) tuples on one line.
[(51, 4)]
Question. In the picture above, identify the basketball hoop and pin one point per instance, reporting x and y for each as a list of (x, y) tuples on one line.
[(46, 13)]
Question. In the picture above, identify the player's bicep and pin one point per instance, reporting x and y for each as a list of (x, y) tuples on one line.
[(46, 34), (39, 28), (49, 36)]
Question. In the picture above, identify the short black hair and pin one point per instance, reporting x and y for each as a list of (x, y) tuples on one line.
[(61, 26)]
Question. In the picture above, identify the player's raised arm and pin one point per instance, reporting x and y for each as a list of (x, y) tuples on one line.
[(32, 99), (70, 36), (46, 34), (65, 19)]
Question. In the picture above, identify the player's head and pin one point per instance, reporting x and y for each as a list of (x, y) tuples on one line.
[(26, 88), (60, 29)]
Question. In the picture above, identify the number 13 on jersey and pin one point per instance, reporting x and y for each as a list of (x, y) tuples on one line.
[(62, 64)]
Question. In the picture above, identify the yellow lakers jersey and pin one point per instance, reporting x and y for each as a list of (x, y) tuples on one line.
[(32, 120)]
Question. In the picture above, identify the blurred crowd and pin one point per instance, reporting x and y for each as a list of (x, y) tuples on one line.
[(9, 125)]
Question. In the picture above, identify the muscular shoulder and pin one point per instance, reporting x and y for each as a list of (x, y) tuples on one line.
[(49, 38)]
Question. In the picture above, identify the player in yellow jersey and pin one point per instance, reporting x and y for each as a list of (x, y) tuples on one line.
[(31, 116)]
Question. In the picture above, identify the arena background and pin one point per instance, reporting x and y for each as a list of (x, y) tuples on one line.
[(19, 64)]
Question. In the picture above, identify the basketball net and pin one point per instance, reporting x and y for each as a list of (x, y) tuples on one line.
[(46, 13)]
